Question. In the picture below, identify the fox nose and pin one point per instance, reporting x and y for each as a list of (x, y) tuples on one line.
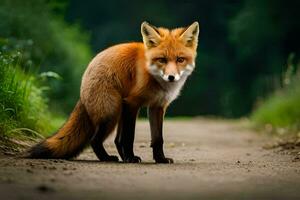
[(171, 78)]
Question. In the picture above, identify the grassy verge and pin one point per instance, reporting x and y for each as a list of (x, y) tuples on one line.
[(23, 106), (280, 113)]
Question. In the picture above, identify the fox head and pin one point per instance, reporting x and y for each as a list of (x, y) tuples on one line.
[(170, 54)]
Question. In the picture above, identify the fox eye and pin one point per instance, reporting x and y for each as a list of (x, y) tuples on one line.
[(180, 59), (162, 60)]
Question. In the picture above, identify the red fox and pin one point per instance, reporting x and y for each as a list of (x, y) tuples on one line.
[(116, 84)]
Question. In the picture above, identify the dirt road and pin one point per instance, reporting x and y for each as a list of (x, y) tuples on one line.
[(214, 159)]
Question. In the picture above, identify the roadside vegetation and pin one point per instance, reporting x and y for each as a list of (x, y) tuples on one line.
[(24, 112), (280, 113), (38, 30), (23, 106), (41, 58)]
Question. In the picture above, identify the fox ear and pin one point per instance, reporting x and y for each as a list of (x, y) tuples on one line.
[(150, 35), (190, 35)]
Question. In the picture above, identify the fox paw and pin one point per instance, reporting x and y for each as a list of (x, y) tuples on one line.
[(133, 159), (164, 160)]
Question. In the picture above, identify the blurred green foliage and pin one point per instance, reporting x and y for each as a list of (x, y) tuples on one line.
[(279, 113), (36, 29), (264, 34), (242, 51)]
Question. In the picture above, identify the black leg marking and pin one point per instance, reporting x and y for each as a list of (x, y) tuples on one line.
[(103, 131), (156, 116), (125, 134)]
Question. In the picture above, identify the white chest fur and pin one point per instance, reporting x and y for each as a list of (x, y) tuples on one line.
[(170, 91)]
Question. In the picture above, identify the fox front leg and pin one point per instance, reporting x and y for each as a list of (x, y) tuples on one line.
[(156, 116)]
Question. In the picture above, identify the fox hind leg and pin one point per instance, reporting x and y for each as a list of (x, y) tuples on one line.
[(104, 112), (103, 131)]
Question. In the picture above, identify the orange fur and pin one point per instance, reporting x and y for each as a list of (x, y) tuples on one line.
[(122, 74)]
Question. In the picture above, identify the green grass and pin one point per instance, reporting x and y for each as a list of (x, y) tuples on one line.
[(280, 113), (23, 106)]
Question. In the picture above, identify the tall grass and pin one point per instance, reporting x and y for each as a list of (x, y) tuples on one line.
[(280, 113), (23, 107)]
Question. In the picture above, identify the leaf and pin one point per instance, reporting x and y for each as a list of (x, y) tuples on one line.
[(50, 74)]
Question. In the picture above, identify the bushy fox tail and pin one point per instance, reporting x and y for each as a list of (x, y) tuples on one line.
[(69, 140)]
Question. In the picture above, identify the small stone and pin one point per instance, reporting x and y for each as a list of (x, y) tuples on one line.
[(44, 188), (52, 168), (296, 159), (68, 173), (171, 145), (52, 180)]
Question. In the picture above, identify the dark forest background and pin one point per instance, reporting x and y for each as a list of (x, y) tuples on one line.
[(243, 48)]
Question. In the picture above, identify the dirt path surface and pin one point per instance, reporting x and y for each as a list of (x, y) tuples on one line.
[(214, 159)]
